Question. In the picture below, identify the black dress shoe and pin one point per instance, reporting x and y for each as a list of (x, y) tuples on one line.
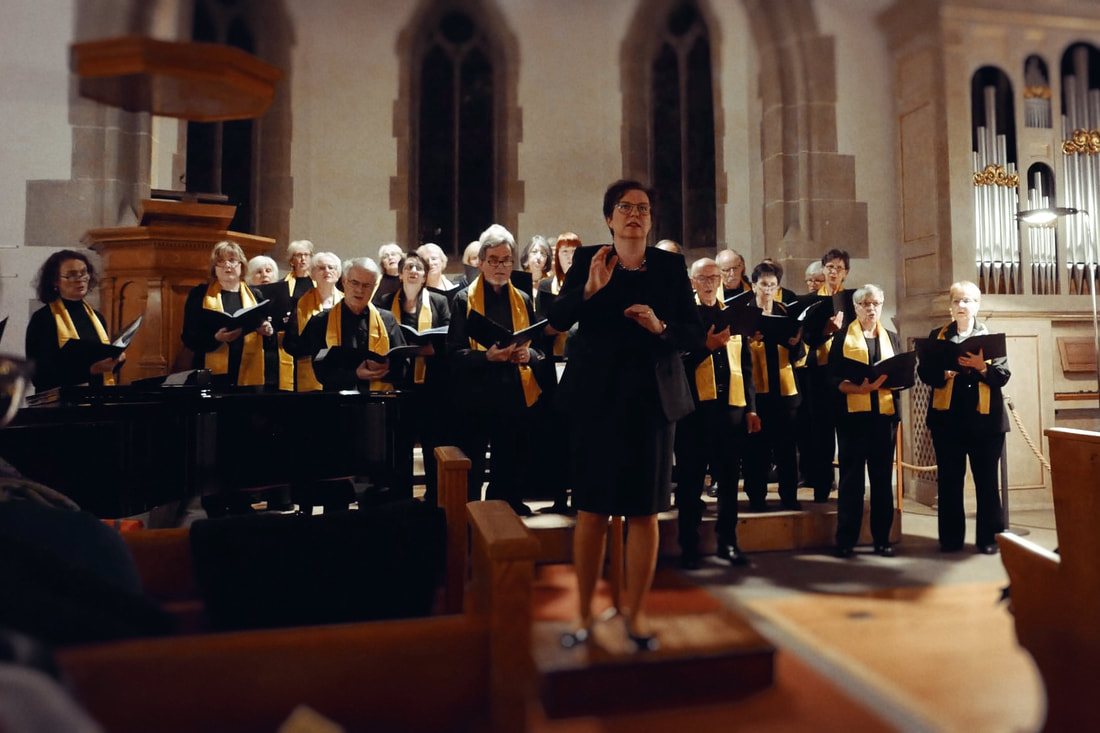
[(844, 552), (884, 550), (521, 509), (646, 643), (732, 554), (950, 548), (793, 505), (990, 549), (758, 505)]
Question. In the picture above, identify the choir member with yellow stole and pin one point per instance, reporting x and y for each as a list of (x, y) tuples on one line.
[(284, 298), (231, 356), (497, 385), (62, 283), (356, 325), (866, 425), (968, 420), (720, 375), (777, 400), (820, 391), (325, 270), (351, 328), (425, 413)]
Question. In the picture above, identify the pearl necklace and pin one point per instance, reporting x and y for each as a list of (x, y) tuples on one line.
[(620, 266)]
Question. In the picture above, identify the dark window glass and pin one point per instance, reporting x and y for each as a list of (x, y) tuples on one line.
[(457, 159), (219, 154), (683, 152)]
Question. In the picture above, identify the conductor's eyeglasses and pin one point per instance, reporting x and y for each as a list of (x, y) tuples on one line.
[(627, 208)]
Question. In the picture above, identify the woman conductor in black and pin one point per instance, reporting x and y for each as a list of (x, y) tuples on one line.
[(623, 390)]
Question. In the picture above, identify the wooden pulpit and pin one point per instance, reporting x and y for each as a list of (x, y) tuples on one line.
[(149, 269)]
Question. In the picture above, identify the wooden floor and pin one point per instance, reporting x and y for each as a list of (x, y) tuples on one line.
[(944, 657)]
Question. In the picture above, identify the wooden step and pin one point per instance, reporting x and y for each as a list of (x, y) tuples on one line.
[(704, 658), (812, 528)]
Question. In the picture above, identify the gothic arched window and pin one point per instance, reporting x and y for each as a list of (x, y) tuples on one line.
[(683, 146), (456, 153)]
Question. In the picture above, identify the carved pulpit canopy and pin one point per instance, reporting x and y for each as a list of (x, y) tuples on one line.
[(201, 82)]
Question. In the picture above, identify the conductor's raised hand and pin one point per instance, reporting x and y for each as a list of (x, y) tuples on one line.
[(600, 269), (644, 316)]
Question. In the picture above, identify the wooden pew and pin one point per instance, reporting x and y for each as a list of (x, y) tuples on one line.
[(466, 671), (1055, 601)]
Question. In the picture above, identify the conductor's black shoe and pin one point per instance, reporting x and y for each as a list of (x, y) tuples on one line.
[(571, 639), (758, 505), (646, 643), (689, 561), (884, 550), (844, 552), (950, 548), (521, 509), (793, 505), (732, 554), (990, 549)]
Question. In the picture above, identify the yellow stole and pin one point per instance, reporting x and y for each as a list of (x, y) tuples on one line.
[(722, 294), (476, 302), (423, 322), (292, 282), (941, 396), (855, 348), (787, 385), (308, 306), (378, 340), (66, 329), (286, 361), (705, 383), (252, 356)]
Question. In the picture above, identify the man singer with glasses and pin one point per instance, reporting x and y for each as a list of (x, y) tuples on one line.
[(499, 385)]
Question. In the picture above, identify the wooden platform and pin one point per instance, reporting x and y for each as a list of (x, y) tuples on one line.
[(704, 658), (812, 528)]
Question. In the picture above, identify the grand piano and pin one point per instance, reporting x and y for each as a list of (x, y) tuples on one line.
[(120, 451)]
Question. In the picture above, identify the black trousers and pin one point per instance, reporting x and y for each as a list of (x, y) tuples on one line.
[(865, 442), (953, 447), (507, 437), (818, 431), (774, 443), (713, 435)]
